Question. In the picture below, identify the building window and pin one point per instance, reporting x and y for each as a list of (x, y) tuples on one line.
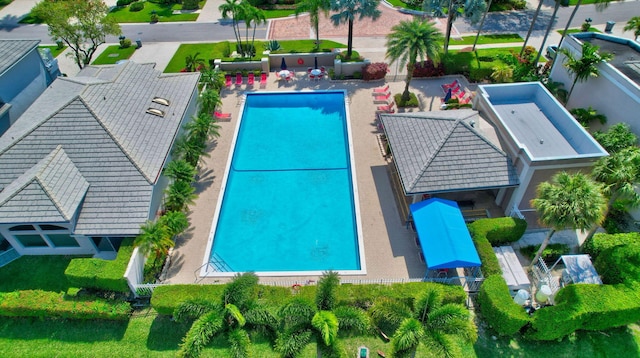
[(52, 228), (22, 228), (62, 240), (33, 240)]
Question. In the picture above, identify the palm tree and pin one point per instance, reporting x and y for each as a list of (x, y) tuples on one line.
[(209, 100), (326, 291), (502, 73), (252, 18), (190, 149), (587, 115), (472, 9), (573, 201), (154, 238), (229, 317), (546, 34), (533, 23), (180, 194), (618, 137), (347, 10), (619, 173), (179, 169), (434, 323), (175, 222), (486, 11), (233, 9), (212, 78), (192, 61), (633, 25), (314, 7), (203, 127), (600, 5), (586, 66), (409, 40)]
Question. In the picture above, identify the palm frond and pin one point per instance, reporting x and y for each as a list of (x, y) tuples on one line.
[(200, 334), (234, 313), (295, 315), (326, 290), (289, 345), (326, 323), (352, 320), (407, 336), (387, 314), (241, 291), (193, 309), (239, 343)]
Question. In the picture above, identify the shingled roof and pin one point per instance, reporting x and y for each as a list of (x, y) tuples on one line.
[(99, 121), (13, 50), (439, 152)]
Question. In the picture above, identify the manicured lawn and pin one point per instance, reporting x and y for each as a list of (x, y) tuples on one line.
[(113, 54), (577, 30), (210, 51), (35, 272), (277, 13), (55, 51), (165, 13), (488, 39), (399, 3), (478, 64)]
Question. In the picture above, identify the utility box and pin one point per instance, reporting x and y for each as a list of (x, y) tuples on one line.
[(139, 43), (609, 26)]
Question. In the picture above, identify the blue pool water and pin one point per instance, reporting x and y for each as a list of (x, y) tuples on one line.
[(288, 203)]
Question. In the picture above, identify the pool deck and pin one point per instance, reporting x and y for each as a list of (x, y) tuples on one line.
[(390, 250)]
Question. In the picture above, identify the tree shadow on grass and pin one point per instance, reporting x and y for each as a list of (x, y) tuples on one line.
[(62, 329), (35, 272), (165, 334)]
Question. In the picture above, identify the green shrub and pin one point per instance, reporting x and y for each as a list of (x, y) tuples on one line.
[(272, 45), (498, 308), (502, 231), (550, 254), (589, 307), (125, 43), (38, 303), (412, 102), (165, 299), (478, 230), (357, 75), (600, 242), (479, 74), (106, 275), (189, 4), (124, 2), (136, 6), (619, 264)]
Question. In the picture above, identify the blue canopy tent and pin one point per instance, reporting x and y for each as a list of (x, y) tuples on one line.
[(443, 234)]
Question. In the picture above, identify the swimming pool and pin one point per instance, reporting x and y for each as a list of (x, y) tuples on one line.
[(288, 202)]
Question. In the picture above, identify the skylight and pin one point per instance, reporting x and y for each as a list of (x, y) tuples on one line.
[(160, 100), (155, 112)]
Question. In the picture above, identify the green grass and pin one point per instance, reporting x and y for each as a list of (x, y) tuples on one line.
[(35, 272), (399, 3), (165, 13), (30, 20), (487, 39), (277, 13), (113, 54), (4, 3), (55, 51), (478, 64), (577, 30), (210, 51)]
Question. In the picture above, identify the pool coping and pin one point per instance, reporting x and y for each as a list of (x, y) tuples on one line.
[(204, 268)]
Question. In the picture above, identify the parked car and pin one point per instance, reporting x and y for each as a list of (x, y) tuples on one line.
[(551, 51)]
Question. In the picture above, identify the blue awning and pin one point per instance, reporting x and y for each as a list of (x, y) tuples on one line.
[(443, 234)]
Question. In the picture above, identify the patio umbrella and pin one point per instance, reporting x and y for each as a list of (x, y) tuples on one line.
[(447, 97), (283, 65), (315, 62)]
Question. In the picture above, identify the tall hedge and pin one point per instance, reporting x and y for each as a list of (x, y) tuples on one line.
[(106, 275), (600, 242), (38, 303), (619, 264), (589, 307), (498, 308)]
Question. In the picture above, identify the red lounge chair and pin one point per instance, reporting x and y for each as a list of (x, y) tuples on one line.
[(263, 80), (388, 108), (381, 89), (464, 100), (382, 98), (238, 79), (227, 80), (446, 86), (460, 95), (251, 79), (220, 115)]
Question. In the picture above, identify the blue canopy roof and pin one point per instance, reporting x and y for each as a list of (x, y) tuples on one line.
[(443, 234)]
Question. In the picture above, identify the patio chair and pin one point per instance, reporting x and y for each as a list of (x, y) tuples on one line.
[(220, 115), (291, 76), (460, 95), (309, 69), (250, 79), (263, 80), (320, 76), (312, 77), (446, 86), (464, 100), (238, 79), (323, 69), (384, 98), (388, 108), (381, 89), (227, 79)]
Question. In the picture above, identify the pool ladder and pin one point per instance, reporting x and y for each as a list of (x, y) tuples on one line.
[(215, 264)]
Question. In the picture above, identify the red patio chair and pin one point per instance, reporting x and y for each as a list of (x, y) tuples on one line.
[(388, 108), (263, 80), (251, 79), (381, 89), (220, 115), (227, 78), (238, 79), (312, 77), (446, 86), (382, 98), (309, 69)]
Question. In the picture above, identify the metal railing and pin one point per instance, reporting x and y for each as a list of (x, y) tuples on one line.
[(8, 256)]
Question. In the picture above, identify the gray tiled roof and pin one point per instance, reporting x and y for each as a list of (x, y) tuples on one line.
[(52, 190), (13, 50), (439, 152), (104, 130)]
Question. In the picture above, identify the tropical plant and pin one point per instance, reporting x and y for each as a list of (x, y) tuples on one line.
[(190, 149), (552, 21), (252, 18), (618, 137), (82, 24), (568, 201), (272, 45), (556, 89), (619, 174), (175, 222), (471, 9), (409, 40), (180, 194), (346, 12), (436, 324), (179, 169), (314, 8), (228, 318), (586, 66), (212, 78), (586, 116), (209, 100), (502, 73), (192, 62), (533, 22), (242, 10), (154, 238), (233, 9), (326, 291), (484, 15), (203, 127), (633, 25)]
